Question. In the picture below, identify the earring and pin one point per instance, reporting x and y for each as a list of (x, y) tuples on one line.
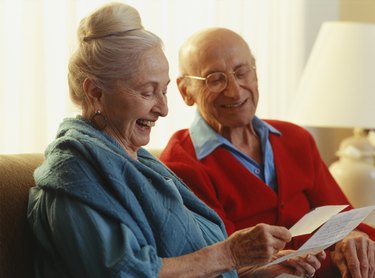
[(98, 120)]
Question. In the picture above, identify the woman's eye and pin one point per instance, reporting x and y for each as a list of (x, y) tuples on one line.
[(147, 93)]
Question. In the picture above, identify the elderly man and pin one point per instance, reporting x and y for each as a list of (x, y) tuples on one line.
[(247, 169)]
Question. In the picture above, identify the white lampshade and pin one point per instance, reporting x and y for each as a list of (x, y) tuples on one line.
[(337, 88)]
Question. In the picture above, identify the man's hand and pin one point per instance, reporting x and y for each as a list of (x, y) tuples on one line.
[(355, 256)]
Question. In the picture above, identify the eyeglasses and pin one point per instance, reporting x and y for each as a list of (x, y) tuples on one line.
[(216, 82)]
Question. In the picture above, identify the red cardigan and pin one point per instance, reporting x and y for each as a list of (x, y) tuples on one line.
[(241, 199)]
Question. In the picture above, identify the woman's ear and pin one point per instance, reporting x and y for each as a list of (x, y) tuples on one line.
[(92, 91), (183, 88)]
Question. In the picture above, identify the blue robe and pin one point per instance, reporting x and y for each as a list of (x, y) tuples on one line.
[(96, 212)]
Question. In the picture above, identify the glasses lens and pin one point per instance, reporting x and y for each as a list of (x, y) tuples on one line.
[(242, 73), (216, 81)]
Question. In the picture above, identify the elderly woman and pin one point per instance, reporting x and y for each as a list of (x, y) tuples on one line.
[(105, 207)]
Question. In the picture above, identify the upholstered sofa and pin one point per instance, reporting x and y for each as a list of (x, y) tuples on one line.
[(16, 177)]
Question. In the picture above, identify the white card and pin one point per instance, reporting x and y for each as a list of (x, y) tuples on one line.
[(312, 220), (335, 229)]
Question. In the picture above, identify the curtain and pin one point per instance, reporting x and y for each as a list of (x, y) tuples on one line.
[(38, 36)]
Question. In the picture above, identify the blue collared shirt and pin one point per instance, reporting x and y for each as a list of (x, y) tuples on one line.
[(206, 140)]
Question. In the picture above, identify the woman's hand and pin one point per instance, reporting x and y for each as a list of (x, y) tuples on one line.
[(304, 266), (253, 246), (257, 245)]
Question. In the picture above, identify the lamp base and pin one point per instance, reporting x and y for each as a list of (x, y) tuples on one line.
[(355, 171)]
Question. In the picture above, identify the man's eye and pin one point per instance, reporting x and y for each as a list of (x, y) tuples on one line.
[(242, 72), (216, 78)]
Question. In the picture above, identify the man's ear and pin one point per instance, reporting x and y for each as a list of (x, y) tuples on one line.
[(92, 91), (186, 96)]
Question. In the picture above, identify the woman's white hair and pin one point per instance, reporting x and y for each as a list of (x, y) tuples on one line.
[(111, 42)]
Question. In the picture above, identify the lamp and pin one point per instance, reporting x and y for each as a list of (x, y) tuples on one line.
[(337, 89)]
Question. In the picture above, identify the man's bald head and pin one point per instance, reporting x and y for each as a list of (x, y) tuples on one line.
[(204, 43)]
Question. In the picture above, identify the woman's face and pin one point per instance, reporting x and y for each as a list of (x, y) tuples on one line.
[(134, 106)]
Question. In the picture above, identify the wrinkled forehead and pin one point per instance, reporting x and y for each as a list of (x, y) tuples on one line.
[(218, 51), (152, 66)]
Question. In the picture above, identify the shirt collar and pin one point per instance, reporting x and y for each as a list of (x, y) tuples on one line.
[(206, 140)]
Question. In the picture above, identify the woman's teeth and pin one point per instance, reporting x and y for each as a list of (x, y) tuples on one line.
[(146, 123)]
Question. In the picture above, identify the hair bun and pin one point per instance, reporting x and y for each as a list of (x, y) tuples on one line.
[(115, 19)]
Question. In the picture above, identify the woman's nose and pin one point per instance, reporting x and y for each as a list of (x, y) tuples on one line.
[(161, 106)]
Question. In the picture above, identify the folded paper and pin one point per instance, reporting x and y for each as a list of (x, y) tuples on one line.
[(332, 231)]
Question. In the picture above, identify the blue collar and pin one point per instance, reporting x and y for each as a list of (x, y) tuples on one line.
[(206, 140)]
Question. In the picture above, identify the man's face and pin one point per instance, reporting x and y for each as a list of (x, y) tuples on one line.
[(235, 105)]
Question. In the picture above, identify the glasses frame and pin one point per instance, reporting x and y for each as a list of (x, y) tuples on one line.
[(216, 72)]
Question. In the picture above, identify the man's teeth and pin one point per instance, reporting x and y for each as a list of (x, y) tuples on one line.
[(232, 105), (146, 123)]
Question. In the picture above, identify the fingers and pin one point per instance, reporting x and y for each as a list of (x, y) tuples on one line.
[(306, 265), (273, 237), (371, 259), (313, 263), (364, 249), (280, 233), (301, 267), (363, 260), (338, 258), (321, 256), (354, 256), (258, 244), (352, 262)]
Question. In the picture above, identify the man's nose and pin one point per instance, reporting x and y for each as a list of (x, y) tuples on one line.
[(233, 87)]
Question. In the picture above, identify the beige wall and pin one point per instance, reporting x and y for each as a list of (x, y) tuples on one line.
[(328, 139), (357, 10)]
